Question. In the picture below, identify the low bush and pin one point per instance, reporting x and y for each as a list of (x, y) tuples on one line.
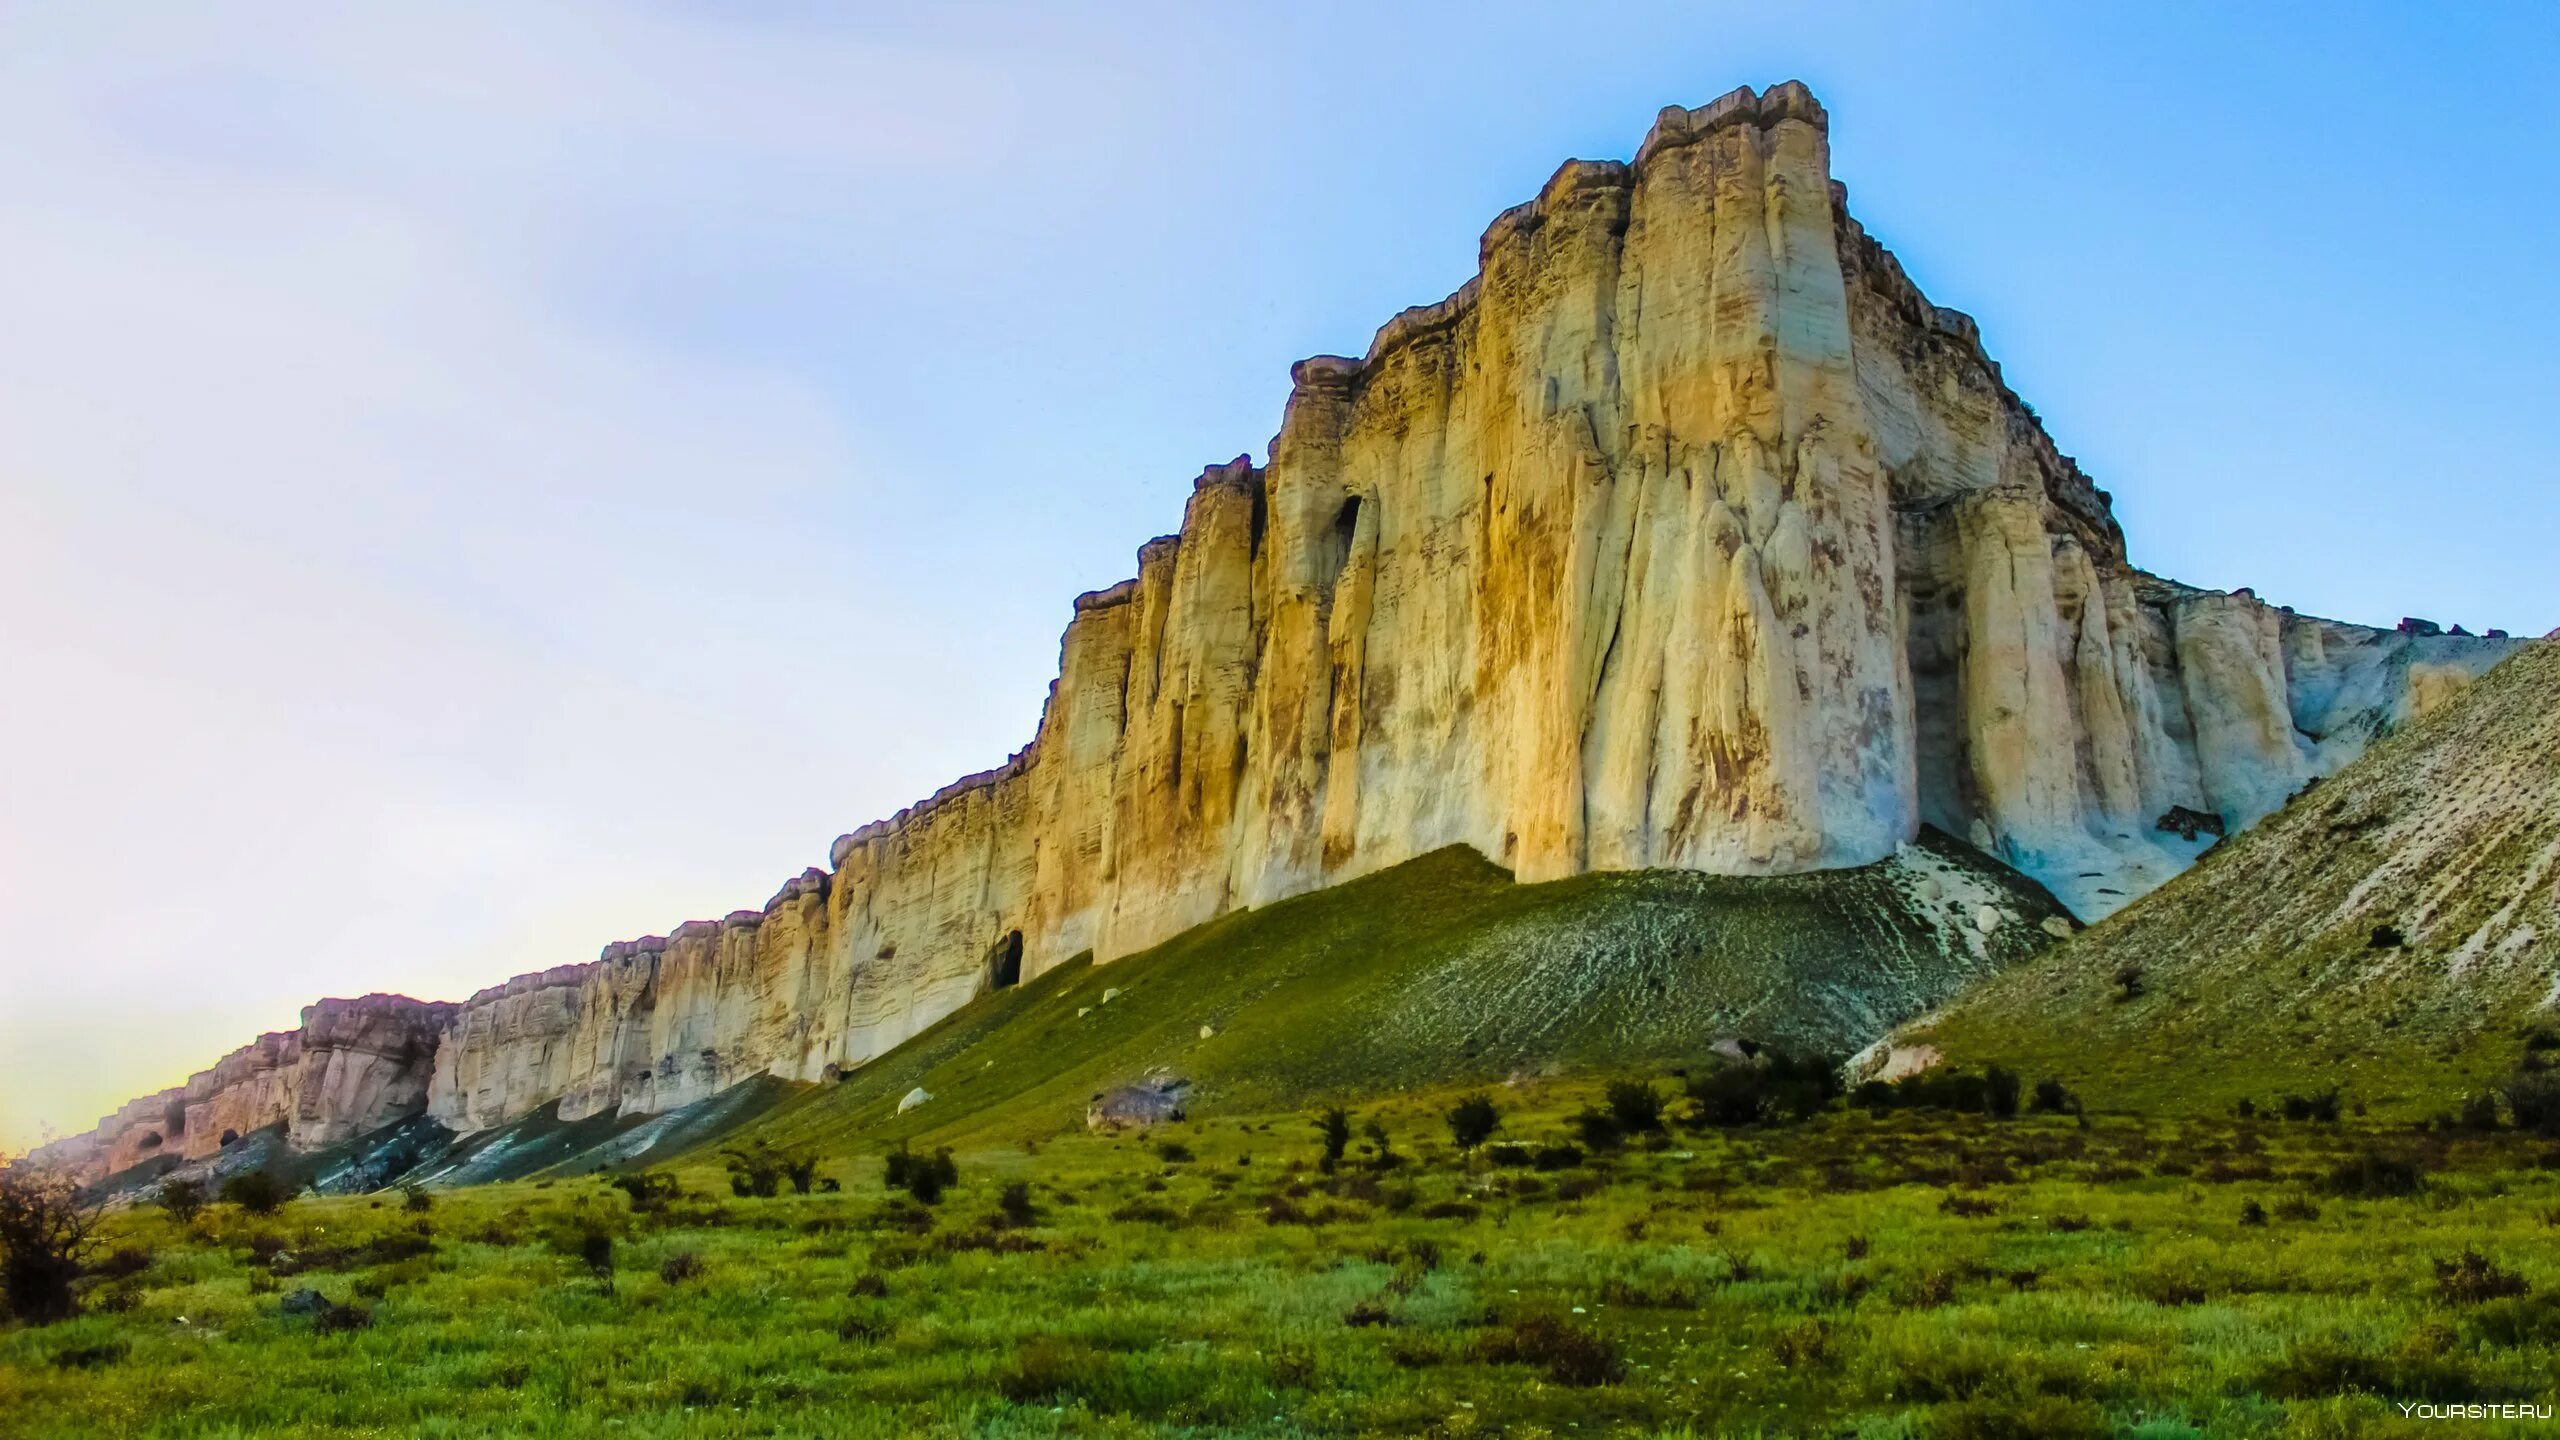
[(680, 1267), (649, 1190), (2320, 1106), (256, 1192), (923, 1176), (1597, 1129), (2533, 1100), (2371, 1174), (2470, 1278), (1473, 1120), (183, 1199), (1568, 1353), (1635, 1106)]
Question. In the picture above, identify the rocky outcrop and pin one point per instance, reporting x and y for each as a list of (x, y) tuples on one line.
[(354, 1066), (1687, 534)]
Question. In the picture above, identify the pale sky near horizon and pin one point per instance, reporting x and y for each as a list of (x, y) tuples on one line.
[(481, 480)]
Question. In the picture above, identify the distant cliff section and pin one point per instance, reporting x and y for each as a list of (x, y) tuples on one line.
[(1688, 534), (354, 1066)]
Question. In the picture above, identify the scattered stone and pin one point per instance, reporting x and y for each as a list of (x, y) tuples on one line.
[(912, 1099), (2055, 926)]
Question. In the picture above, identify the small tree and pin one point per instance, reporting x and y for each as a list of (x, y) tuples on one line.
[(183, 1199), (255, 1191), (46, 1232), (1333, 1127), (1473, 1120), (800, 1167)]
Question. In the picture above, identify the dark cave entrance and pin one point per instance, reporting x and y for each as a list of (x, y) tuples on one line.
[(1004, 963)]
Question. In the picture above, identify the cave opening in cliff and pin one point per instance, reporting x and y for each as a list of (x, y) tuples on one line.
[(1346, 525), (1004, 963), (230, 1135)]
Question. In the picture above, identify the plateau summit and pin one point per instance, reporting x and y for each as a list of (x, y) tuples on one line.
[(1688, 535)]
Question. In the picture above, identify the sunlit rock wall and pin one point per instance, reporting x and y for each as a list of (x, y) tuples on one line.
[(1688, 533)]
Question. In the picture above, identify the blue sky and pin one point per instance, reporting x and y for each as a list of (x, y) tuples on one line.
[(481, 480)]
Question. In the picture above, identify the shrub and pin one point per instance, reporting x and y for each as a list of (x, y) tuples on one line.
[(649, 1190), (1333, 1128), (2000, 1093), (1512, 1155), (2252, 1213), (415, 1199), (2372, 1174), (761, 1171), (2321, 1105), (1473, 1120), (183, 1199), (1570, 1354), (1597, 1128), (1173, 1152), (1381, 1145), (1780, 1087), (2053, 1098), (800, 1167), (680, 1267), (2533, 1099), (2128, 983), (340, 1319), (1014, 1203), (255, 1191), (923, 1176), (1636, 1106), (1556, 1157), (2470, 1278)]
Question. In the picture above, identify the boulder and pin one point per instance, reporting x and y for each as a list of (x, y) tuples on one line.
[(1154, 1100)]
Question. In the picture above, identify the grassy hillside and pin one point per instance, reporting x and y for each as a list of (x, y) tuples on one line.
[(2394, 930), (1906, 1275), (1443, 970)]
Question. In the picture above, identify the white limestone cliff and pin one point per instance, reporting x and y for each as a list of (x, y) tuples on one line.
[(1688, 533)]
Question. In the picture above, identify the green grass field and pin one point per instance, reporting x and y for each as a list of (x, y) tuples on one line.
[(1907, 1273)]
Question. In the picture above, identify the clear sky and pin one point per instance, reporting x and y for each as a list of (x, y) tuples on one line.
[(478, 480)]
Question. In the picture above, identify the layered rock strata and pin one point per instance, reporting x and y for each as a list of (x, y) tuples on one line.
[(354, 1066), (1688, 533)]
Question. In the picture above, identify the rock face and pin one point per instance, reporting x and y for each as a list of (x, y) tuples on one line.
[(354, 1067), (1687, 534), (2392, 929)]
